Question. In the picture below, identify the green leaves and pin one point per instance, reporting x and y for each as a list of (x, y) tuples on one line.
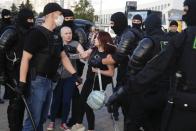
[(84, 10)]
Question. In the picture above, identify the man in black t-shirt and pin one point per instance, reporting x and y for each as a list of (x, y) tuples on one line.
[(42, 54)]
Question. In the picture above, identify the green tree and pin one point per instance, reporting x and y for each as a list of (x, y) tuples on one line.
[(21, 6), (28, 5), (84, 10), (14, 9)]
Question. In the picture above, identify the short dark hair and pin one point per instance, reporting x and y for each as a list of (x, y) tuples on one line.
[(173, 22)]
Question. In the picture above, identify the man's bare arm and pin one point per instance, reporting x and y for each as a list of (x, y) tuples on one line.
[(108, 60), (67, 63), (24, 66)]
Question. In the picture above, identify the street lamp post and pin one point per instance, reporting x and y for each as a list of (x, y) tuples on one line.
[(100, 14)]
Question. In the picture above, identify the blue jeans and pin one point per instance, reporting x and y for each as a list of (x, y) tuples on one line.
[(62, 95), (38, 102)]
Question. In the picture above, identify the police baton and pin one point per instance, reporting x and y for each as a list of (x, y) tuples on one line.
[(26, 106)]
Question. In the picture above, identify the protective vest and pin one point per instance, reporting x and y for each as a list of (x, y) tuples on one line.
[(46, 61), (160, 41)]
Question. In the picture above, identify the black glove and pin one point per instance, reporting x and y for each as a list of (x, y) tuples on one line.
[(114, 99), (20, 89), (96, 61), (78, 79)]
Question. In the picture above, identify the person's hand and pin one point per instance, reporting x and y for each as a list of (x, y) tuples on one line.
[(114, 99), (78, 79), (84, 55), (108, 60), (95, 70), (20, 89)]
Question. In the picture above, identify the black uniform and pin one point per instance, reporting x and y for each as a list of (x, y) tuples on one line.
[(5, 21), (152, 101), (11, 44), (179, 54), (143, 106), (126, 41)]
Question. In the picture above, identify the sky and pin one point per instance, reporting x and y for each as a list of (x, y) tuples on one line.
[(113, 4)]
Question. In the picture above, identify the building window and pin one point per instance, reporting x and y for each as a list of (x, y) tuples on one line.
[(158, 8), (161, 7), (165, 6)]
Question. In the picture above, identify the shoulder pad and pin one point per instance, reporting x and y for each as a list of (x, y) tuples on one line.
[(128, 35), (6, 36), (138, 34), (146, 42)]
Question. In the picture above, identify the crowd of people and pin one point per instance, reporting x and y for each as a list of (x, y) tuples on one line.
[(155, 83)]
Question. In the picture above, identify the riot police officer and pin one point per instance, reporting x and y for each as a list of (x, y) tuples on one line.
[(146, 105), (137, 23), (126, 41), (11, 44), (179, 56), (6, 19)]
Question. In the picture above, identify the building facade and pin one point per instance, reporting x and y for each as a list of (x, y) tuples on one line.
[(171, 10)]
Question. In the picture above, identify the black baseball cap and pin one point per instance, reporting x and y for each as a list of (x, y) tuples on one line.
[(51, 7)]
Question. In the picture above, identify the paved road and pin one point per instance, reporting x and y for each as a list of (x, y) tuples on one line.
[(103, 119)]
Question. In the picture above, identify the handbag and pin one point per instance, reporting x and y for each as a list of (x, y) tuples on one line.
[(96, 99)]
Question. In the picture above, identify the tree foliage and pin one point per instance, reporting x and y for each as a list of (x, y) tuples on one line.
[(14, 9), (84, 10), (21, 6), (28, 5)]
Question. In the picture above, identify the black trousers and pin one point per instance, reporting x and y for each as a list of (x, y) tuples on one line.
[(74, 107), (83, 106), (182, 120), (16, 107), (15, 113), (183, 113), (146, 110)]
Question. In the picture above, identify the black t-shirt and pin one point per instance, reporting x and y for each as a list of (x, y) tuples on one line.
[(45, 46), (90, 75), (36, 40)]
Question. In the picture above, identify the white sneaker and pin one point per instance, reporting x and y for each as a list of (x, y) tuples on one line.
[(78, 127)]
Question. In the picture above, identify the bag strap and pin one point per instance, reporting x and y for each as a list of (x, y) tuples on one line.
[(100, 81)]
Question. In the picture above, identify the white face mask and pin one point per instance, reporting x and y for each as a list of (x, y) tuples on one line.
[(59, 20)]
